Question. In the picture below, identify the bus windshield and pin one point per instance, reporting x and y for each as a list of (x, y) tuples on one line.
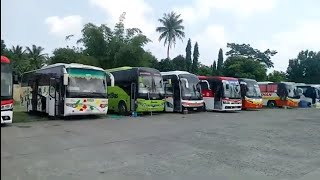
[(86, 83), (253, 90), (6, 81), (231, 89), (150, 83), (190, 87)]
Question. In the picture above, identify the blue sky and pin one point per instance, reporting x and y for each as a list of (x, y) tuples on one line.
[(287, 26)]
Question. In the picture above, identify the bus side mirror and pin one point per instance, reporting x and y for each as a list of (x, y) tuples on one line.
[(65, 79), (169, 81), (185, 81), (300, 91)]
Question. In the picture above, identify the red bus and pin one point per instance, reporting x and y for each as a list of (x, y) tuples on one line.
[(6, 91), (221, 93)]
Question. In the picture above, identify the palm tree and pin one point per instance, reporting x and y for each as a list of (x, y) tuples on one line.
[(37, 58), (18, 51), (172, 28)]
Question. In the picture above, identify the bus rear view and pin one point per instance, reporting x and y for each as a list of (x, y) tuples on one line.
[(221, 93), (6, 91)]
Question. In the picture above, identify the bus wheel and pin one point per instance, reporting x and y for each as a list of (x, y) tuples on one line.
[(271, 104), (122, 108)]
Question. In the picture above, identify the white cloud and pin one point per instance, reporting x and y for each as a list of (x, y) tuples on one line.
[(201, 9), (288, 44), (63, 26), (210, 41)]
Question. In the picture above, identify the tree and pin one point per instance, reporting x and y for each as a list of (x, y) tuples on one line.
[(214, 68), (220, 62), (245, 50), (188, 56), (165, 65), (277, 76), (305, 68), (204, 70), (242, 67), (36, 56), (195, 58), (171, 29), (179, 63)]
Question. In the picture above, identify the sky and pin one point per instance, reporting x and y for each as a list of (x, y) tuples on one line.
[(287, 26)]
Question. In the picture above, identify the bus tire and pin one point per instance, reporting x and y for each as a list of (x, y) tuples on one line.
[(272, 104), (122, 108)]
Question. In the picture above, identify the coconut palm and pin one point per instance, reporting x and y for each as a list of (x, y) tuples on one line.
[(36, 55), (171, 29)]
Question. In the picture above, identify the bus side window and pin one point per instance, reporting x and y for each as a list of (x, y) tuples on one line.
[(204, 85), (168, 88)]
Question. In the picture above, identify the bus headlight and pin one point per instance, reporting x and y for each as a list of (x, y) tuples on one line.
[(7, 106), (103, 105), (225, 102)]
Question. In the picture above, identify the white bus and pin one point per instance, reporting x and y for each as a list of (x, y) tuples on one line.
[(66, 89), (182, 91)]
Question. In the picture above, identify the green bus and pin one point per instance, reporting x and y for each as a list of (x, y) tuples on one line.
[(136, 89)]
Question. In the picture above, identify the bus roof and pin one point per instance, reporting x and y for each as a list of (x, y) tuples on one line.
[(128, 68), (4, 59), (218, 77), (177, 73), (247, 79), (72, 65)]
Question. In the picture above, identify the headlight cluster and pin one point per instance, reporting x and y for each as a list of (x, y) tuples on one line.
[(6, 107), (226, 102)]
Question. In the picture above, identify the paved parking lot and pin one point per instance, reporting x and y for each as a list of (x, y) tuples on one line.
[(267, 144)]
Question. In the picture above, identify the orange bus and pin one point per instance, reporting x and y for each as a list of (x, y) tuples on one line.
[(250, 93)]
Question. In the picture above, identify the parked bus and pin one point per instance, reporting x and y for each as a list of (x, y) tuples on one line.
[(6, 91), (221, 93), (65, 90), (283, 94), (250, 94), (137, 89), (182, 91), (310, 95)]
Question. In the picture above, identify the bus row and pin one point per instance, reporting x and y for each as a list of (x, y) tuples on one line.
[(76, 89)]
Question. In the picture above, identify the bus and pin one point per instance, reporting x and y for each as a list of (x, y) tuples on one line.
[(310, 95), (250, 94), (281, 94), (221, 93), (6, 91), (66, 90), (136, 90), (182, 92)]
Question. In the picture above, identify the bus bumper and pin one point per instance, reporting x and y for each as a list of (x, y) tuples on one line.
[(231, 107), (6, 117), (252, 104)]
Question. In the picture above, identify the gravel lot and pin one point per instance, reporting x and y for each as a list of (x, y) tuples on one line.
[(269, 144)]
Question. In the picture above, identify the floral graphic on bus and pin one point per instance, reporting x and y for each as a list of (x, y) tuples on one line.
[(88, 105)]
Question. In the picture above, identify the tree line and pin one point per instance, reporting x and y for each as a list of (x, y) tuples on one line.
[(108, 47)]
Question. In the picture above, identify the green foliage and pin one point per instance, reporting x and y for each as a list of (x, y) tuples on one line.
[(214, 69), (171, 29), (204, 70), (241, 67), (188, 56), (277, 76), (220, 62), (179, 63), (246, 50), (195, 61), (36, 56), (305, 68)]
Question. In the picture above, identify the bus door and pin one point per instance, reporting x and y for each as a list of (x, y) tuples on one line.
[(133, 97), (218, 96), (34, 99), (169, 95), (177, 103), (207, 94), (52, 102)]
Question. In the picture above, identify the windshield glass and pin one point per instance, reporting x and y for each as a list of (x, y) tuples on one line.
[(151, 83), (6, 81), (190, 87), (86, 83), (231, 89), (253, 90)]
